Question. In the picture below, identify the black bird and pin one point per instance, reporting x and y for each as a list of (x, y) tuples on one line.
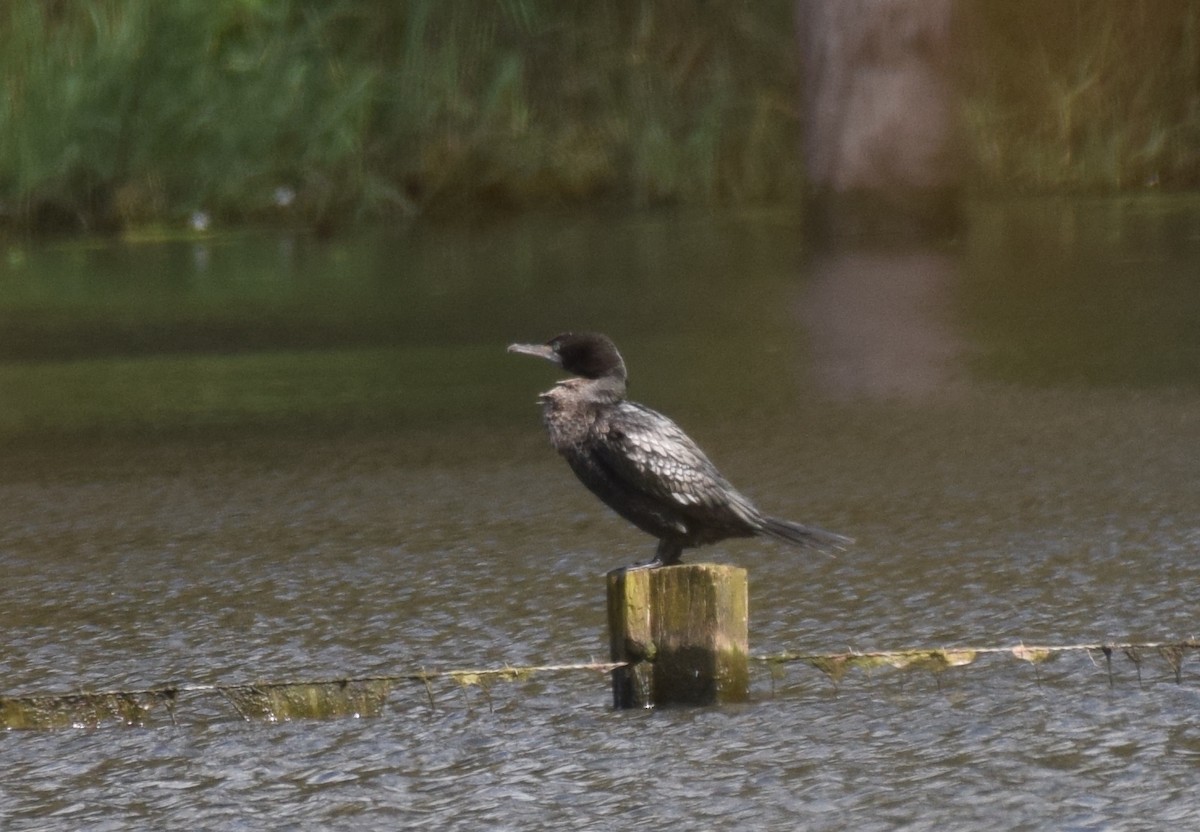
[(640, 463)]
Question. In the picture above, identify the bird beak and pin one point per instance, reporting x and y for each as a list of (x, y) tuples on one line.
[(540, 350)]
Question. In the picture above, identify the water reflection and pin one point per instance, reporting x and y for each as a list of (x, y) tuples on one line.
[(1095, 293), (201, 257), (881, 323)]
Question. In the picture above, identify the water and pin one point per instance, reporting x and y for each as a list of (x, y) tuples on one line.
[(274, 458)]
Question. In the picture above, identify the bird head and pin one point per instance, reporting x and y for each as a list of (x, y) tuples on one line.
[(587, 354)]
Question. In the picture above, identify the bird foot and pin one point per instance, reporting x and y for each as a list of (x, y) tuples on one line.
[(650, 564)]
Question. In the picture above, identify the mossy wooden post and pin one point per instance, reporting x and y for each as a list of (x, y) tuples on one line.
[(685, 630)]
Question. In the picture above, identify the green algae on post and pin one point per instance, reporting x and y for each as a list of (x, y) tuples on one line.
[(683, 630)]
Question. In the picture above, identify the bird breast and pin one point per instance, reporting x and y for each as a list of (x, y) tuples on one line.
[(567, 415)]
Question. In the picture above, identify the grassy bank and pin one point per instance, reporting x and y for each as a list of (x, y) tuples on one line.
[(1081, 95), (136, 111), (124, 114)]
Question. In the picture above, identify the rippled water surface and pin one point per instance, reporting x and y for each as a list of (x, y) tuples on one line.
[(274, 458)]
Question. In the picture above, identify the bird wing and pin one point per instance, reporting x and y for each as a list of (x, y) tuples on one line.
[(653, 455)]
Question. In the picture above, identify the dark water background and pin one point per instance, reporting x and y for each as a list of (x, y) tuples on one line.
[(270, 457)]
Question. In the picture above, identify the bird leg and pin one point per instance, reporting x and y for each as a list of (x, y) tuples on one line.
[(667, 554)]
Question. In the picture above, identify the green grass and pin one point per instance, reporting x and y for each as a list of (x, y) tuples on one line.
[(1080, 96), (127, 113), (136, 114)]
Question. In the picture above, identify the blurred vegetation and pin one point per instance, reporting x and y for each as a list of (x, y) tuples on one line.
[(1083, 95), (132, 114)]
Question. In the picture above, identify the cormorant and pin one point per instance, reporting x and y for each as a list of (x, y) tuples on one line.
[(640, 463)]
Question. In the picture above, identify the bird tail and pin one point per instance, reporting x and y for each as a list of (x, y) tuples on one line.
[(809, 536)]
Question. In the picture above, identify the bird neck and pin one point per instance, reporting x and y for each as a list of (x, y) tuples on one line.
[(578, 394), (606, 388)]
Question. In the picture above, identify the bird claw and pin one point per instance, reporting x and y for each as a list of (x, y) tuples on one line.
[(650, 564)]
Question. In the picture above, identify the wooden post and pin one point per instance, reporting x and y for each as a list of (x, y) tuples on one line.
[(685, 629)]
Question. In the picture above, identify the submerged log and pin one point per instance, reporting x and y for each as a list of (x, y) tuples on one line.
[(684, 631)]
